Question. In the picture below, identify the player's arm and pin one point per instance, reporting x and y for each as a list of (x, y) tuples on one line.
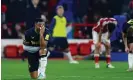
[(100, 34), (43, 41), (26, 40), (124, 33), (124, 36), (52, 25)]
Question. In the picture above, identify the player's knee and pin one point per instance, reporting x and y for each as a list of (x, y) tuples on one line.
[(98, 45), (107, 45), (33, 68), (42, 52)]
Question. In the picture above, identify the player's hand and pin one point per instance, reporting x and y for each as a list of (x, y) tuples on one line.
[(42, 30), (42, 52), (127, 49)]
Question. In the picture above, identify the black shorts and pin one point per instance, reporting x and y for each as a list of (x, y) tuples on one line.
[(60, 43), (130, 40), (33, 61)]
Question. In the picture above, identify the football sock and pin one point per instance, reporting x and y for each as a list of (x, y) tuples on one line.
[(130, 60), (108, 59), (43, 64), (96, 58), (68, 55)]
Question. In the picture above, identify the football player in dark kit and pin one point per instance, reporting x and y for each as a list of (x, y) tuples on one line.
[(35, 46), (128, 41)]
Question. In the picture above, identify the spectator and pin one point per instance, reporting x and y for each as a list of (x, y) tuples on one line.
[(16, 11), (3, 13), (130, 7), (12, 32), (43, 6), (131, 4), (19, 31), (78, 33), (51, 8), (8, 32), (80, 8), (101, 7), (4, 31), (32, 12), (115, 6)]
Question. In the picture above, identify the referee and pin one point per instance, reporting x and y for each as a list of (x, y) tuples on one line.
[(59, 34)]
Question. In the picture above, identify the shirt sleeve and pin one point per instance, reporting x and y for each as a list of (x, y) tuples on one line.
[(98, 24), (47, 34), (125, 27), (26, 40), (52, 25)]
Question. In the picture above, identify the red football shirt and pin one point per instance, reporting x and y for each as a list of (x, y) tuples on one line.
[(101, 25)]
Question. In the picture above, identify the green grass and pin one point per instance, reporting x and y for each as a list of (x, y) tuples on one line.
[(62, 70)]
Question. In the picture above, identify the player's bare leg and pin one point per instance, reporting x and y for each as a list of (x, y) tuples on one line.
[(130, 57), (67, 53), (96, 55), (34, 74), (108, 56), (33, 66)]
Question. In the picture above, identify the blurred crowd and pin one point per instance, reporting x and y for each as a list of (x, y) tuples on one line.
[(12, 31), (17, 15)]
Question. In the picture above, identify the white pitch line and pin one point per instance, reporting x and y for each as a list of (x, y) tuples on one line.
[(67, 76)]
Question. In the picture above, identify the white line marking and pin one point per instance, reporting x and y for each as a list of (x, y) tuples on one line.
[(68, 76)]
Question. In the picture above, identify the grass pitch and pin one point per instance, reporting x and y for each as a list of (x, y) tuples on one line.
[(62, 70)]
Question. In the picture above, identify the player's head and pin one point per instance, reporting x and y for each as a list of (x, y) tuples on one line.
[(35, 2), (39, 23), (111, 27), (60, 10)]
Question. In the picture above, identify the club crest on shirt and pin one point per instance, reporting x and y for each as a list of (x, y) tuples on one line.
[(47, 37)]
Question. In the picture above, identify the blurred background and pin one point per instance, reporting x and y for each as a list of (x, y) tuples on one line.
[(82, 15)]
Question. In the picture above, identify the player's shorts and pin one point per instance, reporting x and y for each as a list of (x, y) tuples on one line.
[(60, 43), (130, 43), (102, 48), (104, 37), (130, 40), (33, 61)]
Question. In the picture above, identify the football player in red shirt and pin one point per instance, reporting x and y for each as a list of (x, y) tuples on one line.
[(101, 34)]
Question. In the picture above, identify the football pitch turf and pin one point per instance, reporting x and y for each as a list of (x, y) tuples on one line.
[(62, 70)]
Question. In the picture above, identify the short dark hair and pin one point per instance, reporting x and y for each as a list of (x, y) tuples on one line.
[(59, 7), (111, 27), (38, 20)]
